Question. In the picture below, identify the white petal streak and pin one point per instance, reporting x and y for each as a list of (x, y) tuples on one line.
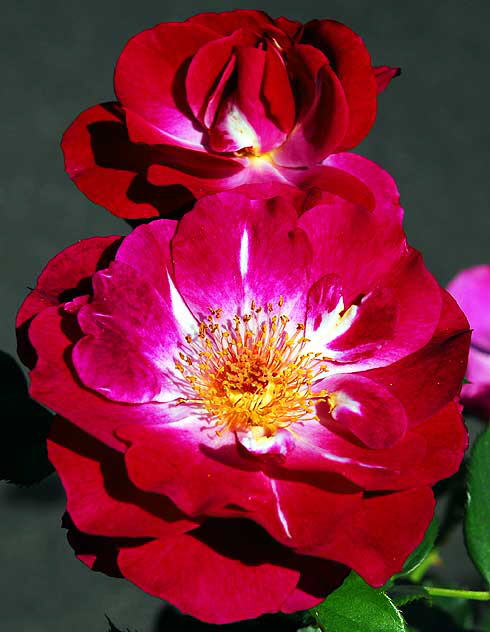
[(330, 456), (182, 314), (340, 399), (244, 246), (280, 513)]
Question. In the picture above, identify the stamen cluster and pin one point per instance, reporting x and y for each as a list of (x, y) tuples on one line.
[(252, 371)]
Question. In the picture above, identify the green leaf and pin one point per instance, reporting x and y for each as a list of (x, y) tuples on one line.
[(418, 556), (477, 519), (356, 607), (403, 594)]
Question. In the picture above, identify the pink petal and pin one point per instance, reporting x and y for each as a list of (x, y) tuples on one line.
[(55, 384), (476, 396), (320, 448), (445, 356), (471, 289), (147, 251), (101, 499), (355, 260), (129, 349), (365, 409), (65, 276), (323, 181), (396, 319), (386, 206), (257, 244)]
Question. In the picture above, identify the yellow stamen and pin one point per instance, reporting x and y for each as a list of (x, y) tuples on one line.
[(251, 372)]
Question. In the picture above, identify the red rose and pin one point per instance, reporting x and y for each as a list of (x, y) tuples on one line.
[(249, 398), (220, 101)]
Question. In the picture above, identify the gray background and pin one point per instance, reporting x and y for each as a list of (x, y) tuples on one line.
[(432, 134)]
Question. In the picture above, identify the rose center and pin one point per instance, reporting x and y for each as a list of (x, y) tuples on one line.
[(251, 371)]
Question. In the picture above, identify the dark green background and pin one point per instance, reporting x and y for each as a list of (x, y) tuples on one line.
[(432, 134)]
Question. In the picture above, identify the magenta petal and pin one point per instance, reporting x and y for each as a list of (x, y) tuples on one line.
[(323, 297), (445, 356), (446, 439), (178, 461), (309, 514), (365, 409), (65, 277), (196, 576), (257, 244), (356, 260), (362, 544), (323, 181), (147, 251), (207, 486), (209, 71), (129, 349), (393, 321), (471, 289), (320, 447), (386, 204), (101, 499), (54, 382)]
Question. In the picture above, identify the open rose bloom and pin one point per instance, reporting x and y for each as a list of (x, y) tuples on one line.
[(222, 101), (251, 402), (471, 288)]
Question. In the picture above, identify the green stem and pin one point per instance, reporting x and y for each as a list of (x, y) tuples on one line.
[(418, 574), (478, 595)]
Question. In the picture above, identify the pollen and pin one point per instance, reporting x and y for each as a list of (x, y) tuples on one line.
[(252, 371)]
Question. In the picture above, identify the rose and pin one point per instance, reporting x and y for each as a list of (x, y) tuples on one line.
[(221, 101), (471, 288), (249, 398)]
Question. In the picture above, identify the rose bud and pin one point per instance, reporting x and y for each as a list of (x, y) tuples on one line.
[(221, 101), (471, 289), (248, 398)]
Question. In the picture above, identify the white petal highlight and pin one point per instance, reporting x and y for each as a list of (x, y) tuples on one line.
[(244, 246), (182, 314), (280, 513)]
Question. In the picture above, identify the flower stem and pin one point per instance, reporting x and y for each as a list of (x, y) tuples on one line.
[(478, 595)]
